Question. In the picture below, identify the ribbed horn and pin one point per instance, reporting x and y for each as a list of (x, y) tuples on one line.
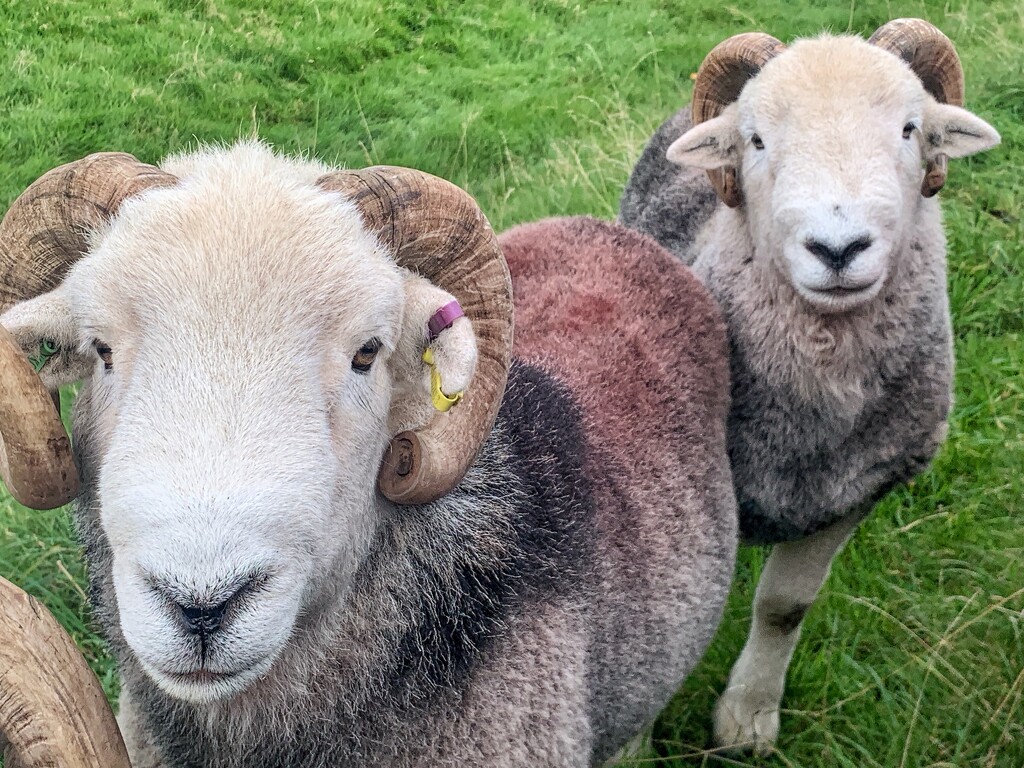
[(35, 454), (437, 230), (52, 709), (45, 231), (933, 58), (721, 77)]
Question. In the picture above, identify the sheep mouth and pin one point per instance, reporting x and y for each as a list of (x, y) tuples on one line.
[(202, 677), (840, 298), (844, 290), (841, 290), (204, 685)]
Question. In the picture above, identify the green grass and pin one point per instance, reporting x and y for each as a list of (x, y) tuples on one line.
[(914, 656)]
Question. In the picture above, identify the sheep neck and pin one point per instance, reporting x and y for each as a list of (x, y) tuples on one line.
[(783, 341)]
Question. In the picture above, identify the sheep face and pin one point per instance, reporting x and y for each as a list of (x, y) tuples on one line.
[(247, 350), (829, 140)]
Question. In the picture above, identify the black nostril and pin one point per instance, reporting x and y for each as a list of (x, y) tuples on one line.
[(204, 615), (203, 619), (837, 257)]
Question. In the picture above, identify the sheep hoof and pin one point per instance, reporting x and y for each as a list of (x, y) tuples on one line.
[(746, 721)]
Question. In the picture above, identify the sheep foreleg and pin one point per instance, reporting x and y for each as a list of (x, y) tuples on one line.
[(747, 714)]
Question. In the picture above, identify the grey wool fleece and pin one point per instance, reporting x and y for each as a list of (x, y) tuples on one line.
[(829, 412)]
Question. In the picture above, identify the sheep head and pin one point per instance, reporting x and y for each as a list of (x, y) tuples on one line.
[(830, 144), (250, 334)]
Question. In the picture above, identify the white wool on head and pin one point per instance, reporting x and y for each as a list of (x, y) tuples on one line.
[(829, 139), (238, 444)]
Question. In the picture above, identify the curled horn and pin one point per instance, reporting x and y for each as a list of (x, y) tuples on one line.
[(721, 77), (436, 230), (52, 709), (45, 231), (35, 454), (933, 58)]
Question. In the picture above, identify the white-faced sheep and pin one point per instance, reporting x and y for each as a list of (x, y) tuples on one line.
[(828, 256), (522, 581)]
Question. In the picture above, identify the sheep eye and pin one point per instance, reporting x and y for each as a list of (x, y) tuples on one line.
[(106, 355), (756, 141), (908, 129), (365, 356)]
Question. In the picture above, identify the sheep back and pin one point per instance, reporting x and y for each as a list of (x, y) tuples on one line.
[(641, 346), (669, 202)]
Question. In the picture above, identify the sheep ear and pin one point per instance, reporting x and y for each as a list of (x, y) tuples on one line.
[(427, 384), (46, 331), (955, 132), (709, 145)]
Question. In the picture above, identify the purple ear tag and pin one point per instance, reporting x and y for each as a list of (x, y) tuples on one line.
[(439, 321), (443, 318)]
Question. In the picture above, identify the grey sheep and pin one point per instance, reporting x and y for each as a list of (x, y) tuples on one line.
[(801, 190)]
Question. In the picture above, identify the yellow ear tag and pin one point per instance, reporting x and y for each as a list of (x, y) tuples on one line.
[(442, 402)]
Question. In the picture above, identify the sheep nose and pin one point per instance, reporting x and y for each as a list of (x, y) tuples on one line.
[(837, 256), (203, 612), (203, 619)]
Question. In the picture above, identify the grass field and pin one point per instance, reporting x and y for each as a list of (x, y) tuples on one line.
[(914, 656)]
